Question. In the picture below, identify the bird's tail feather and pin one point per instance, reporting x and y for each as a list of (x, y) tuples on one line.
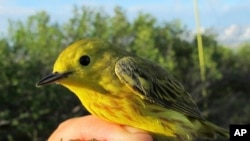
[(211, 130)]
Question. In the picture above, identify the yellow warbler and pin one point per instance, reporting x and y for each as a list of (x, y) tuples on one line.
[(120, 87)]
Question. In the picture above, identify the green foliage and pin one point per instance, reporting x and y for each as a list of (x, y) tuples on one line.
[(30, 48)]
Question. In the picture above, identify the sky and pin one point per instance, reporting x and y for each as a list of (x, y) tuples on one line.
[(230, 19)]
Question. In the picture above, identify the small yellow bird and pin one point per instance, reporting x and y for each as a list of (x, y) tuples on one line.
[(120, 87)]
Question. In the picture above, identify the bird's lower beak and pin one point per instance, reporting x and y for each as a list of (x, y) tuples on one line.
[(52, 78)]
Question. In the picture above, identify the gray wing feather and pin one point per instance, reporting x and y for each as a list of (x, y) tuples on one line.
[(155, 85)]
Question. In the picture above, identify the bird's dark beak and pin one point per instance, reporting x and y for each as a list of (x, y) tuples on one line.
[(52, 78)]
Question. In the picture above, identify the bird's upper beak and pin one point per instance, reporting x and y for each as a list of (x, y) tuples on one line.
[(52, 78)]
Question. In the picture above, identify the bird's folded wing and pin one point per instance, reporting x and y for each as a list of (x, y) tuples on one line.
[(154, 84)]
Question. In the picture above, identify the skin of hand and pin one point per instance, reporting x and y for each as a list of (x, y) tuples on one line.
[(91, 128)]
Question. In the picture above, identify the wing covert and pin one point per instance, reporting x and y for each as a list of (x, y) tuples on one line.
[(155, 85)]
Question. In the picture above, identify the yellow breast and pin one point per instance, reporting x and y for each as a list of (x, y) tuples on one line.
[(124, 109)]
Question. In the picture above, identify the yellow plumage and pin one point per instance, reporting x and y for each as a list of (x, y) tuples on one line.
[(120, 87)]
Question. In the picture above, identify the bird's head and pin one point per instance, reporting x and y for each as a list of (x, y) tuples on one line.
[(84, 64)]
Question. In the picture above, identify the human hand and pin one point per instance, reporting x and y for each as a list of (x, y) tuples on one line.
[(91, 128)]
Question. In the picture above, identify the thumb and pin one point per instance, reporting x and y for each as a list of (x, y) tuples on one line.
[(90, 127)]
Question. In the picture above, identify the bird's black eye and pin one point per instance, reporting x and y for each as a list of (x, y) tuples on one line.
[(84, 60)]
